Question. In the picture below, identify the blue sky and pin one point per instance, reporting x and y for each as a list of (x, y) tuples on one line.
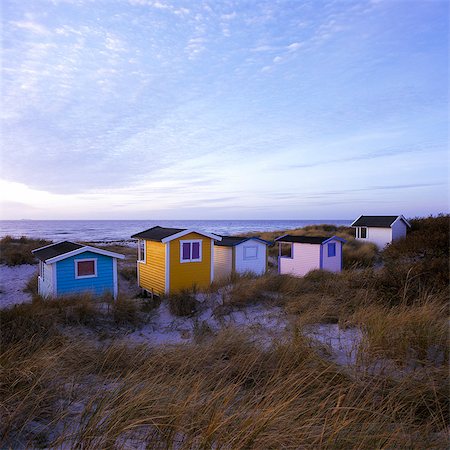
[(158, 109)]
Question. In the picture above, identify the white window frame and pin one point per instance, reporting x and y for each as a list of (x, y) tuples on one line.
[(139, 251), (191, 241), (76, 261), (249, 258), (41, 270)]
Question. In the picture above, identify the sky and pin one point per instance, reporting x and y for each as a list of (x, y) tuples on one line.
[(223, 109)]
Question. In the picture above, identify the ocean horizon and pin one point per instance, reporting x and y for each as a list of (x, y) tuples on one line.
[(121, 230)]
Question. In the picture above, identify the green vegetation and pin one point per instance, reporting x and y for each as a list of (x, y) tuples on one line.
[(224, 390)]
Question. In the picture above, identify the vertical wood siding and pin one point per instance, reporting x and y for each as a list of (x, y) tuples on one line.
[(99, 285), (306, 257), (185, 275), (223, 262), (152, 273)]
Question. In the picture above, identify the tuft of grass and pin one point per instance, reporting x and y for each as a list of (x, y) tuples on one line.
[(183, 303), (405, 333), (32, 285), (357, 254), (125, 311)]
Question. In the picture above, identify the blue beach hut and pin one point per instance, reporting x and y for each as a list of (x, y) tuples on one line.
[(69, 268)]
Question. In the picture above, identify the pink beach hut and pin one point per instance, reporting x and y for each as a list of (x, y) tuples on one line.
[(298, 255)]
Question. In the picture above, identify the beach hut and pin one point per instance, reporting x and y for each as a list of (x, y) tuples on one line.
[(171, 259), (234, 254), (381, 230), (298, 255), (69, 268)]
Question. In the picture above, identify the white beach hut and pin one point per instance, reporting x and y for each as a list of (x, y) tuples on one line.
[(235, 254), (381, 230)]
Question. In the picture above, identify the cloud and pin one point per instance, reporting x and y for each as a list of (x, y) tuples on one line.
[(294, 46), (32, 27), (172, 103)]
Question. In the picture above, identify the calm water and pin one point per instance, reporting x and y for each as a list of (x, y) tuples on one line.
[(121, 230)]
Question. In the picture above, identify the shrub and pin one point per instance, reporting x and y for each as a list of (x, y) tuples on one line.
[(420, 261), (183, 303), (16, 251), (125, 311)]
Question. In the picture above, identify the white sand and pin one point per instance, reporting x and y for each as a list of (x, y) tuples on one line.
[(12, 282), (266, 324)]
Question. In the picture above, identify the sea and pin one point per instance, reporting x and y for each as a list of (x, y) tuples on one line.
[(121, 230)]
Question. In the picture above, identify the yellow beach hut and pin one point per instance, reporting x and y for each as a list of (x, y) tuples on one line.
[(171, 259)]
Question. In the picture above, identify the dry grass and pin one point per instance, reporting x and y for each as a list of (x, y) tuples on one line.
[(357, 254), (227, 393), (406, 334), (16, 251)]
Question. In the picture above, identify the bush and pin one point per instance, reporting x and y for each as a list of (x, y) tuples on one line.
[(125, 311), (420, 261), (16, 251), (183, 303)]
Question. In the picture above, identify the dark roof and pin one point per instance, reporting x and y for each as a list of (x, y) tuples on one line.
[(375, 221), (51, 251), (157, 233), (303, 239), (231, 241)]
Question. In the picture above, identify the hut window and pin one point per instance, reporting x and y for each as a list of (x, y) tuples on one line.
[(190, 251), (285, 250), (251, 252), (141, 250), (85, 268), (363, 232), (331, 249)]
